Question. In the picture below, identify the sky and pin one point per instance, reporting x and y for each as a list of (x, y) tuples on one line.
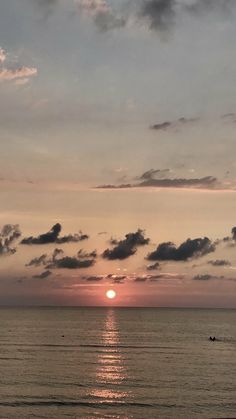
[(117, 147)]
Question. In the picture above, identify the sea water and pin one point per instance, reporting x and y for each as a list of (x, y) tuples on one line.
[(117, 363)]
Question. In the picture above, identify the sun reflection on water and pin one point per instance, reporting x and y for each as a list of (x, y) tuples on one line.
[(111, 371)]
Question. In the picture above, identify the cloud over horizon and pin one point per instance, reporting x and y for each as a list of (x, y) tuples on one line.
[(127, 247), (52, 236), (207, 182), (190, 249)]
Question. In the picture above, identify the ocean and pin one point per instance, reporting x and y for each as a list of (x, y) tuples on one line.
[(117, 363)]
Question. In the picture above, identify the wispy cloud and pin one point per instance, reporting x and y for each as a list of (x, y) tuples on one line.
[(2, 55), (163, 126), (19, 74), (22, 72), (8, 234), (43, 275), (207, 182), (104, 17)]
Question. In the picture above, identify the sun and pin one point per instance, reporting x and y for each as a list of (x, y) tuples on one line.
[(111, 294)]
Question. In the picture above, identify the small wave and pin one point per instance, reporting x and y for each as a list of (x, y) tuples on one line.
[(57, 403), (126, 346)]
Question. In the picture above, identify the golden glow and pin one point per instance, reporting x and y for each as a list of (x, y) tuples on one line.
[(111, 294)]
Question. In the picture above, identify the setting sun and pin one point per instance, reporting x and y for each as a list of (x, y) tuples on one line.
[(111, 294)]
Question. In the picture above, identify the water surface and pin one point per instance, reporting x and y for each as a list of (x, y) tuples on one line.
[(117, 363)]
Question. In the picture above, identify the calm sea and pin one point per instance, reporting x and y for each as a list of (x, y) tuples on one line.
[(117, 363)]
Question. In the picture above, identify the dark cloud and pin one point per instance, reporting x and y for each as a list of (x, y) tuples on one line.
[(102, 14), (58, 260), (206, 277), (127, 247), (108, 21), (72, 238), (8, 235), (187, 250), (43, 275), (95, 278), (38, 261), (219, 262), (153, 267), (109, 186), (49, 237), (233, 231), (159, 14), (163, 126), (153, 173), (68, 262), (207, 182), (52, 236), (85, 255), (56, 253)]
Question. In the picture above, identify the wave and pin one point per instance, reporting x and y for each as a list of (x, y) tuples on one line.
[(58, 403)]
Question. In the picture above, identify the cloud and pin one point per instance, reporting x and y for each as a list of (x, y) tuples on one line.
[(8, 234), (52, 236), (22, 72), (166, 275), (163, 126), (72, 238), (127, 247), (206, 277), (43, 275), (154, 278), (95, 278), (202, 6), (153, 267), (3, 55), (49, 237), (219, 262), (68, 262), (187, 250), (38, 261), (20, 75), (21, 82), (84, 255), (233, 231), (153, 173), (46, 7), (58, 260), (207, 182), (159, 14), (102, 14)]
